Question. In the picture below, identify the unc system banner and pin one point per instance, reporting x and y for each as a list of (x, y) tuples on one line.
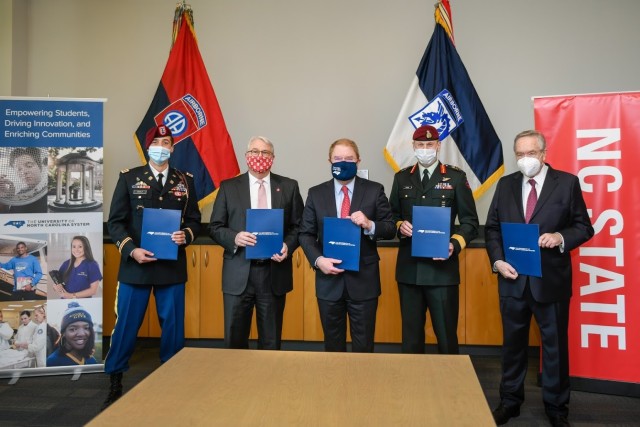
[(51, 203), (597, 138)]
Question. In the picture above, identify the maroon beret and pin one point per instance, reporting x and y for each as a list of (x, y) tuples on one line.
[(426, 133), (157, 132)]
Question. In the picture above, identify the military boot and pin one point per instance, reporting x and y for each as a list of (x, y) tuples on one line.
[(115, 390)]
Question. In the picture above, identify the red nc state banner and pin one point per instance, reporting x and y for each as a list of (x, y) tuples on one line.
[(597, 137)]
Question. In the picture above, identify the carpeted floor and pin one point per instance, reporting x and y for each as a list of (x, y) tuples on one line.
[(59, 401)]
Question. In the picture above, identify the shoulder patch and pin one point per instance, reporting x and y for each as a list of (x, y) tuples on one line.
[(124, 170), (189, 174), (405, 169), (455, 168)]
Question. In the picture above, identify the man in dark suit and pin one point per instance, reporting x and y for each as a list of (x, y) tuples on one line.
[(538, 194), (343, 293), (431, 283), (155, 185), (246, 283)]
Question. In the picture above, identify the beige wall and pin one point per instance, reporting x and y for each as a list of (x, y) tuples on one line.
[(13, 46), (305, 73)]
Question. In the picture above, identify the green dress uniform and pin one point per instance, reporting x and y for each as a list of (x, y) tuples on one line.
[(425, 283)]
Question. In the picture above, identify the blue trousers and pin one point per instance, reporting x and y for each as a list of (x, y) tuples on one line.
[(131, 305)]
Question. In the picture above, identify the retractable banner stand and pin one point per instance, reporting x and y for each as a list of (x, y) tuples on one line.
[(51, 203), (597, 137)]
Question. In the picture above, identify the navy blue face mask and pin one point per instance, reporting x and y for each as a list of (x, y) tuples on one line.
[(344, 171)]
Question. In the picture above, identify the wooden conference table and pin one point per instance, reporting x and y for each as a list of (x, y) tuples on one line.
[(286, 388)]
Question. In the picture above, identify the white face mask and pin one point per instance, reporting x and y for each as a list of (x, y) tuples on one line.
[(529, 166), (426, 156)]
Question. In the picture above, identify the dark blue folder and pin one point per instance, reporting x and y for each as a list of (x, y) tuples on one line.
[(341, 240), (431, 232), (266, 225), (157, 227), (521, 250)]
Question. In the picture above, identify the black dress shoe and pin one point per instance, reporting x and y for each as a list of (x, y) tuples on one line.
[(559, 420), (502, 413)]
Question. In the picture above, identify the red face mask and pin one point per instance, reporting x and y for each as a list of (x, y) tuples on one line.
[(259, 164)]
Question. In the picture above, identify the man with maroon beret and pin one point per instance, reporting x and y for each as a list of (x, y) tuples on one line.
[(154, 185), (431, 283)]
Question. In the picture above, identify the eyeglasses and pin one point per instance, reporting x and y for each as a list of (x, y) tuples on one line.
[(425, 144), (263, 153), (532, 153)]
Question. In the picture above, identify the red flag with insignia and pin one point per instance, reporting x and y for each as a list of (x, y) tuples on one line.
[(186, 103)]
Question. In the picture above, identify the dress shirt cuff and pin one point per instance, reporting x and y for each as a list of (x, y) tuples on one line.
[(371, 233), (561, 247), (494, 268)]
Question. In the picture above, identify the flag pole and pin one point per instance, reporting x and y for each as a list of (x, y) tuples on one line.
[(443, 17), (183, 10)]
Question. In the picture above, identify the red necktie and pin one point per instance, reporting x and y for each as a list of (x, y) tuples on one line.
[(262, 195), (346, 203), (531, 201)]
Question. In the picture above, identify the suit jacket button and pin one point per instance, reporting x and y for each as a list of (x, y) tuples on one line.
[(160, 198)]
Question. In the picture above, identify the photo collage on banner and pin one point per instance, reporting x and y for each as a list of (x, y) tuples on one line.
[(51, 215)]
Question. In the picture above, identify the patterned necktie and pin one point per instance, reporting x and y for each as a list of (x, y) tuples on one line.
[(531, 200), (262, 195), (346, 203), (425, 178), (160, 176)]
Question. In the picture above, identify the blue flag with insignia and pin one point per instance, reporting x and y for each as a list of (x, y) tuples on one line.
[(442, 95)]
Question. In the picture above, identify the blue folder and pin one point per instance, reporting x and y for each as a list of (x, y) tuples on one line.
[(521, 250), (431, 232), (266, 225), (157, 227), (341, 240)]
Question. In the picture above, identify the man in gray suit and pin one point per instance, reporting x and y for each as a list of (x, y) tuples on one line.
[(263, 283)]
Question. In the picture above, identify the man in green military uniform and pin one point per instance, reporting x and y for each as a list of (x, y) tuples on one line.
[(431, 283)]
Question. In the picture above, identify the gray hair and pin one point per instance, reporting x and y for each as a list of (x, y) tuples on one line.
[(263, 139), (542, 142)]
